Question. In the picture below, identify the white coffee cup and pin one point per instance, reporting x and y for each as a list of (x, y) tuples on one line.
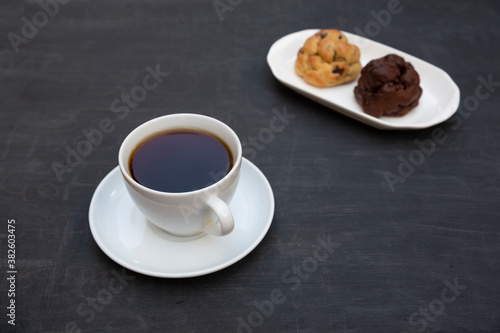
[(186, 213)]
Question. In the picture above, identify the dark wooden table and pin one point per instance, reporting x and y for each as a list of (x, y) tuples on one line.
[(418, 254)]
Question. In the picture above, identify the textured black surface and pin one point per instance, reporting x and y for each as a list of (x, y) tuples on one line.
[(394, 252)]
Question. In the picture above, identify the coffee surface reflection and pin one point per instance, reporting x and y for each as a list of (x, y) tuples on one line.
[(180, 160)]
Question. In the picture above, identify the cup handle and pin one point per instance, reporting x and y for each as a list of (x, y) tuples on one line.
[(225, 219)]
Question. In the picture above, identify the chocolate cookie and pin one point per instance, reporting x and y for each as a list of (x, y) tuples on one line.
[(388, 86), (327, 59)]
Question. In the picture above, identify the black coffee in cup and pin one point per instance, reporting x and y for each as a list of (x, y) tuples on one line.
[(180, 160)]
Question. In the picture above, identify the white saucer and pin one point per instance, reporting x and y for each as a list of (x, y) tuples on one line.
[(130, 240), (440, 98)]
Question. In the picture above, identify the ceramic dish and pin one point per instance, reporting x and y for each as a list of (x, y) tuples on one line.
[(439, 100), (125, 236)]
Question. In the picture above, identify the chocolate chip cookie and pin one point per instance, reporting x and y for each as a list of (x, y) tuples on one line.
[(327, 59)]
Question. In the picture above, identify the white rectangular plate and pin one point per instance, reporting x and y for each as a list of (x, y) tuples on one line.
[(439, 100)]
